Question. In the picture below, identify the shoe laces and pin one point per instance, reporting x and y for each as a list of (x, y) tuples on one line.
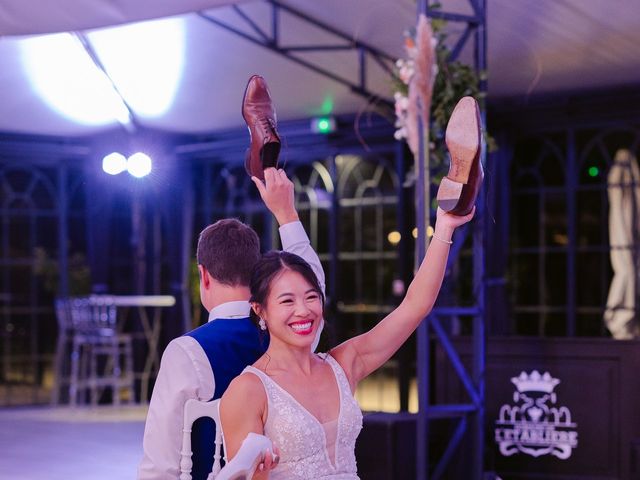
[(267, 125)]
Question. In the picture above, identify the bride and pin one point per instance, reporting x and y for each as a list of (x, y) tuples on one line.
[(304, 401)]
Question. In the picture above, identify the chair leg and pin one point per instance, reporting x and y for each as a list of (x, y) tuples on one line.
[(128, 362), (58, 368), (116, 373), (75, 373), (93, 375)]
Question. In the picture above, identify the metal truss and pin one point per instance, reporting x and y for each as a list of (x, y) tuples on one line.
[(340, 42), (470, 415)]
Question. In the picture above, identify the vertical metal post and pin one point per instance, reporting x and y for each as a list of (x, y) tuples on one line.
[(476, 456), (572, 190), (206, 194), (422, 360), (479, 333), (333, 245), (138, 239), (401, 273), (63, 228)]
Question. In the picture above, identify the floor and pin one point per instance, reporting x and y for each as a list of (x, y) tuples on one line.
[(67, 444)]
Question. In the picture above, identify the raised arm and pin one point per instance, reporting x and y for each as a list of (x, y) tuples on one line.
[(277, 192), (365, 353)]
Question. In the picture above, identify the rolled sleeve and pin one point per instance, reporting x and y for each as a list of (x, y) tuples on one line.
[(295, 240)]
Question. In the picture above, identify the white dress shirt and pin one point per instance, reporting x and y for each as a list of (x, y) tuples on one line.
[(185, 373)]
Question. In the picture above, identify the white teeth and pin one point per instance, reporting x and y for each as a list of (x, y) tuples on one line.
[(301, 326)]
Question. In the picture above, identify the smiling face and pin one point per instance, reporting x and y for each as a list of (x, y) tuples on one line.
[(292, 311)]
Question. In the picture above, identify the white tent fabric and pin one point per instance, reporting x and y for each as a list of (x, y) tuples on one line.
[(533, 48), (624, 215), (24, 17)]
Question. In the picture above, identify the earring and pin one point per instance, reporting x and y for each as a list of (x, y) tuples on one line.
[(263, 324)]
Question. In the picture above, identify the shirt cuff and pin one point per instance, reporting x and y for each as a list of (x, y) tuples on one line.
[(292, 233)]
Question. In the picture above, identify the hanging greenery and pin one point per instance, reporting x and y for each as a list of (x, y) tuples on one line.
[(453, 80), (79, 274)]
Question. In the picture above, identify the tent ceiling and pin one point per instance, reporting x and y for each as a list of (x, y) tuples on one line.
[(533, 48)]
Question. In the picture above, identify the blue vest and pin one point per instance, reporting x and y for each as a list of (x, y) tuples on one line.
[(230, 345)]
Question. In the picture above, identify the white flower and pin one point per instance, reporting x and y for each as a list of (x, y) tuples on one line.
[(400, 133)]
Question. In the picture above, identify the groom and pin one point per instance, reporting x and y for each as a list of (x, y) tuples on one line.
[(202, 363)]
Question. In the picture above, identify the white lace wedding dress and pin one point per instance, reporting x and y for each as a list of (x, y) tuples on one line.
[(309, 449)]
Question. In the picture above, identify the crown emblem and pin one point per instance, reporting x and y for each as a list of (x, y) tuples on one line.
[(535, 382)]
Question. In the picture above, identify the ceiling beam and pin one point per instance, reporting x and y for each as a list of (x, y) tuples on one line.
[(340, 42)]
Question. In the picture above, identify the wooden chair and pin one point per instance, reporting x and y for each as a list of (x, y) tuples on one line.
[(243, 464)]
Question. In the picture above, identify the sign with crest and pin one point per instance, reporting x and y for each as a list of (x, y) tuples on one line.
[(535, 424)]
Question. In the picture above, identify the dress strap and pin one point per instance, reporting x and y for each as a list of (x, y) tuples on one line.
[(341, 376), (262, 376)]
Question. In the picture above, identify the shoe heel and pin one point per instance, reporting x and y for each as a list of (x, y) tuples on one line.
[(449, 194), (269, 155)]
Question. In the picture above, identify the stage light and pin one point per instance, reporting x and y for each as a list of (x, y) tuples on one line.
[(139, 165), (114, 163), (323, 125)]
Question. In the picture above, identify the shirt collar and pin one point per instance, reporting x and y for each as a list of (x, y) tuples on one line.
[(238, 309)]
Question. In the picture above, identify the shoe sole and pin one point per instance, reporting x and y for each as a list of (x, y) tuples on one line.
[(463, 142)]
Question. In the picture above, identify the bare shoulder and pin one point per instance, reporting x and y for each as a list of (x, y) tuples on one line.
[(242, 410), (246, 385)]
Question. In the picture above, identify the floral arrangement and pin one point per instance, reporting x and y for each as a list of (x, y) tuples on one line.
[(428, 74)]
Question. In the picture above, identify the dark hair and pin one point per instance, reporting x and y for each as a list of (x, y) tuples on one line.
[(229, 250), (269, 266)]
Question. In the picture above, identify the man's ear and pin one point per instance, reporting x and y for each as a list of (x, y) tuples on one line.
[(205, 278)]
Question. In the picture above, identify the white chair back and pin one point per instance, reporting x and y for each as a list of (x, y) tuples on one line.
[(194, 409), (241, 467)]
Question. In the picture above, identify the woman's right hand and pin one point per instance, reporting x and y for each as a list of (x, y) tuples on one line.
[(269, 462)]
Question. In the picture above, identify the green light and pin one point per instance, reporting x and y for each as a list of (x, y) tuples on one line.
[(593, 171), (327, 106), (324, 126)]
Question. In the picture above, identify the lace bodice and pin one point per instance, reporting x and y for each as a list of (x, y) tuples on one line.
[(301, 438)]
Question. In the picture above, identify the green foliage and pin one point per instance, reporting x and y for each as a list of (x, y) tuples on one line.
[(194, 290), (453, 81), (78, 271)]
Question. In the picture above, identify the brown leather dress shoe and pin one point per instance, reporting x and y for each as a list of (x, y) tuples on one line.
[(459, 188), (260, 116)]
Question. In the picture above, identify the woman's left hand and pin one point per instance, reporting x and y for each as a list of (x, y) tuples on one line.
[(446, 223), (454, 220)]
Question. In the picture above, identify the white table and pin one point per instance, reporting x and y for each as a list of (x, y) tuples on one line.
[(150, 327)]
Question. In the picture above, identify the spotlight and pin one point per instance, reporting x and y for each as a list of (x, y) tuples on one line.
[(139, 165), (114, 163)]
